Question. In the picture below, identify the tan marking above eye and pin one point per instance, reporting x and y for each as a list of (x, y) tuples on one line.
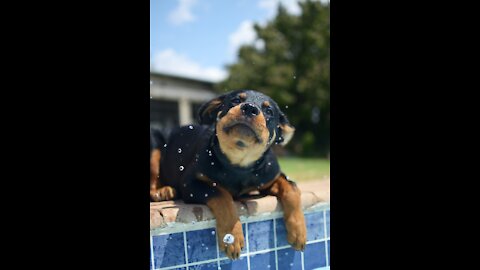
[(243, 96), (266, 104)]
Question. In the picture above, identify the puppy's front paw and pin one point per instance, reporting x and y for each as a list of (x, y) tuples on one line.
[(163, 194), (296, 231), (232, 248)]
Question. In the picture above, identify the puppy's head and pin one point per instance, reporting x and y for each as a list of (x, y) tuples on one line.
[(247, 124)]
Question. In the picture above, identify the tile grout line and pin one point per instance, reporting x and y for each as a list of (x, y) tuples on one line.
[(185, 248), (327, 261), (275, 242), (218, 250), (152, 253)]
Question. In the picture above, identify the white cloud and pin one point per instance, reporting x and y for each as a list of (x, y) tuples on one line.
[(171, 62), (245, 34), (182, 13), (290, 5)]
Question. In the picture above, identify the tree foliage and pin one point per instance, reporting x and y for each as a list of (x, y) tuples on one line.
[(293, 67)]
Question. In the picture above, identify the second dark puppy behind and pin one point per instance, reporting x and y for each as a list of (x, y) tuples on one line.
[(228, 156)]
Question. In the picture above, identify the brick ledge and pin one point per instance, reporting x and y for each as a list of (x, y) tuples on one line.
[(163, 213)]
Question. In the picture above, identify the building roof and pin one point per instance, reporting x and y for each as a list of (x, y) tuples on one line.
[(207, 84)]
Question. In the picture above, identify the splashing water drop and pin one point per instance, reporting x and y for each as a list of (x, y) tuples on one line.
[(190, 127), (181, 168), (179, 150), (165, 145), (228, 239), (210, 153)]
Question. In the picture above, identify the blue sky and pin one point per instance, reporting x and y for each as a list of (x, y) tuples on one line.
[(197, 38)]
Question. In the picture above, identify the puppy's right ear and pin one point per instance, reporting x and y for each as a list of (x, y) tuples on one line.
[(207, 114)]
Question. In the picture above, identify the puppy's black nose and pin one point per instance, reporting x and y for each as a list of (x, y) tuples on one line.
[(249, 110)]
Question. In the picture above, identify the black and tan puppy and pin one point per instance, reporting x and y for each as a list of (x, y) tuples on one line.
[(228, 156)]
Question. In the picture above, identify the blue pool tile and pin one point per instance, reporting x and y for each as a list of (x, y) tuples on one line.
[(315, 256), (201, 245), (240, 264), (205, 266), (328, 251), (263, 261), (327, 214), (289, 259), (260, 235), (281, 233), (244, 251), (168, 250), (315, 226)]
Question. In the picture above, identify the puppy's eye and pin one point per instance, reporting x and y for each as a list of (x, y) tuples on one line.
[(269, 112), (236, 100)]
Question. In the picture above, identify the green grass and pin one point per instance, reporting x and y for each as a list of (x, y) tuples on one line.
[(305, 169)]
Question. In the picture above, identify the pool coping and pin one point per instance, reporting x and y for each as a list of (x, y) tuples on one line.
[(176, 216)]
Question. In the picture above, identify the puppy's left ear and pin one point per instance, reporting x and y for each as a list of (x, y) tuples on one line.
[(285, 131), (207, 114)]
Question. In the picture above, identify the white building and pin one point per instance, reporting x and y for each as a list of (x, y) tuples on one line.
[(175, 100)]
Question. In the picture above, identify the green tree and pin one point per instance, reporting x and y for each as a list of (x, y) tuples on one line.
[(293, 67)]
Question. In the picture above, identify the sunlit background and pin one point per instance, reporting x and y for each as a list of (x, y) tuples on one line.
[(200, 48)]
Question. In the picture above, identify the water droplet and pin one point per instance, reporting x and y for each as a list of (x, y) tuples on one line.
[(268, 266), (212, 163), (191, 195), (203, 244), (181, 168), (228, 238), (179, 150), (269, 163), (151, 97), (185, 185), (165, 145), (151, 82), (291, 264), (286, 253), (189, 246), (294, 76), (190, 127), (213, 232), (286, 107), (210, 153), (219, 268), (256, 174), (206, 195), (206, 248), (214, 184)]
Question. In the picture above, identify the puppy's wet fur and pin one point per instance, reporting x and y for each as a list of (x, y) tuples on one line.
[(224, 158)]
